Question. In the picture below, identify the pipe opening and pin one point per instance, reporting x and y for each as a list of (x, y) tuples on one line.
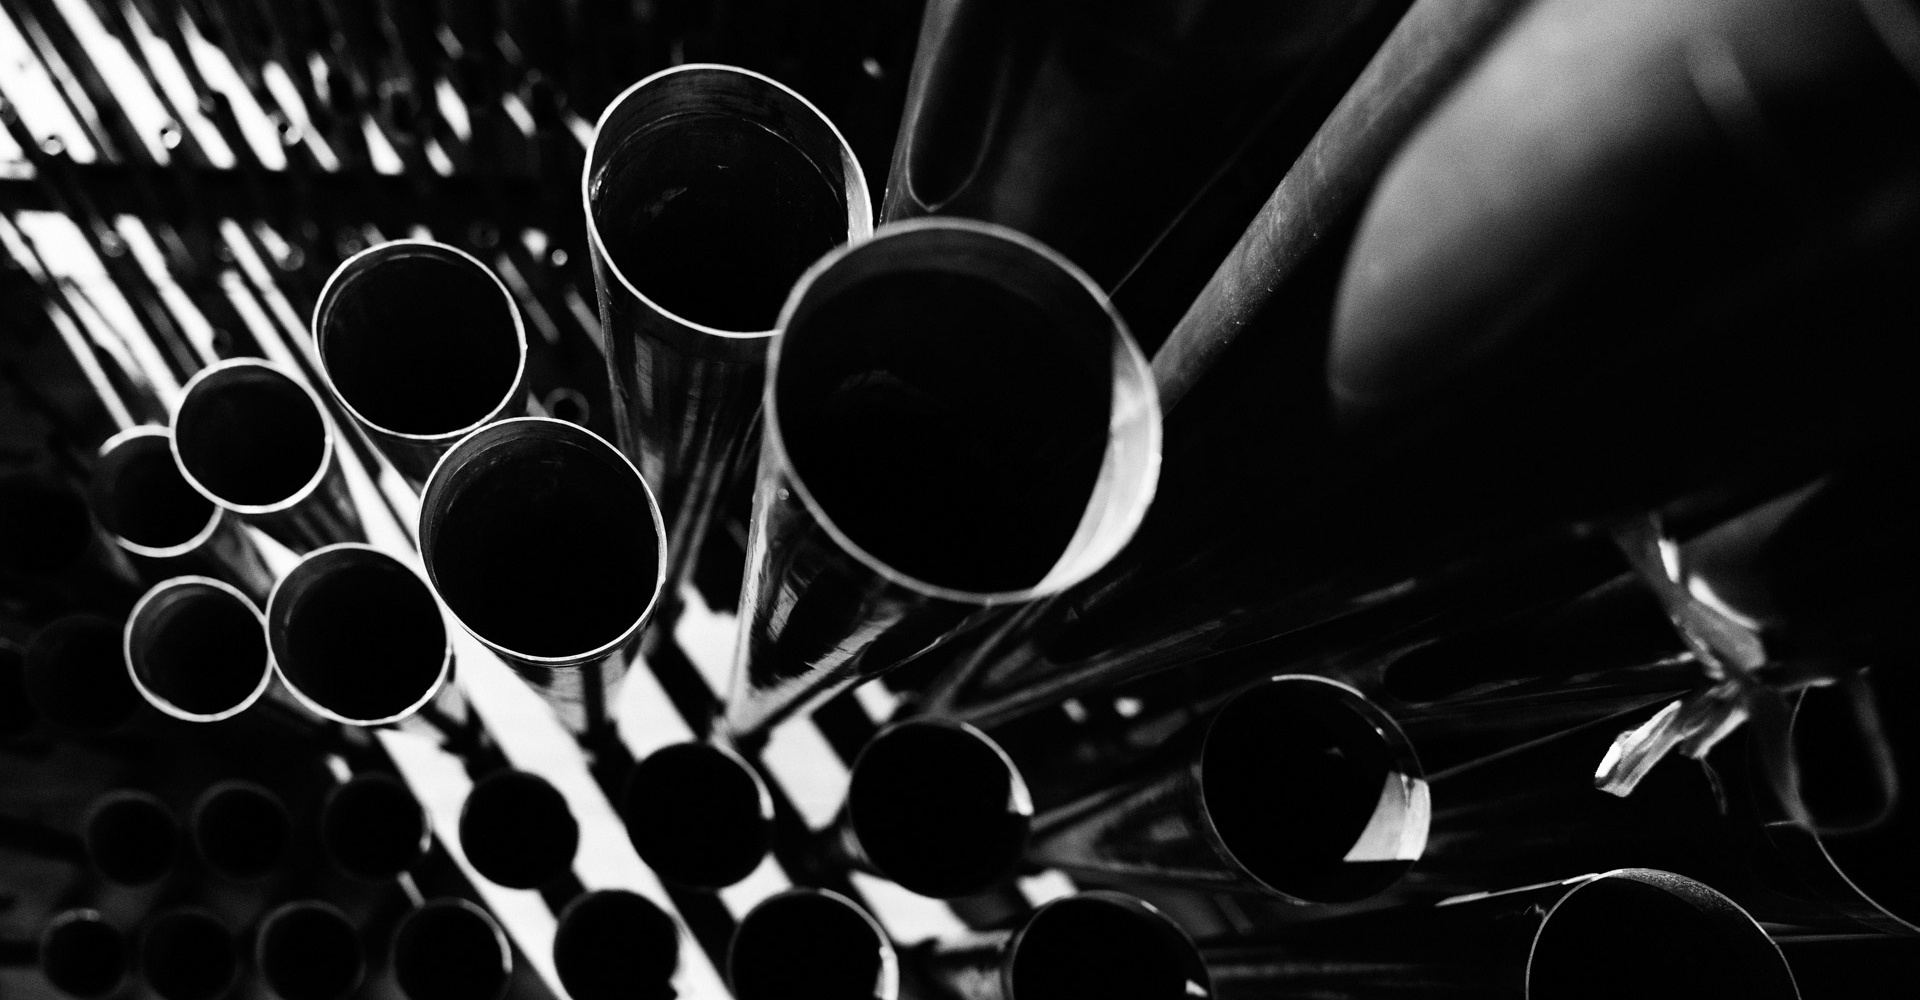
[(373, 828), (308, 951), (46, 528), (615, 945), (139, 496), (938, 808), (1653, 936), (358, 635), (188, 955), (697, 815), (131, 837), (250, 435), (1313, 791), (76, 675), (241, 830), (814, 937), (420, 339), (197, 649), (1838, 768), (517, 830), (535, 534), (969, 379), (450, 949), (1104, 945), (82, 955)]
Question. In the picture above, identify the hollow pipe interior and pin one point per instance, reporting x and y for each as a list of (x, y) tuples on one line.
[(357, 635), (698, 814)]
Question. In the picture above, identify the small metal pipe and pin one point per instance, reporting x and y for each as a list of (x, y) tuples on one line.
[(614, 944), (517, 831), (309, 950), (196, 649), (812, 936), (1091, 944), (76, 675), (372, 828), (188, 954), (131, 837), (82, 955), (698, 814), (168, 529), (451, 949), (241, 830)]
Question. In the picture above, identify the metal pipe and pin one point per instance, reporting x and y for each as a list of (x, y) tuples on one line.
[(956, 419), (613, 944), (532, 535), (372, 828), (1091, 944), (1626, 933), (422, 344), (82, 955), (241, 830), (188, 954), (357, 636), (76, 675), (707, 191), (196, 649), (308, 950), (131, 837), (149, 511), (698, 814), (516, 830), (812, 936), (451, 949), (937, 807), (258, 441)]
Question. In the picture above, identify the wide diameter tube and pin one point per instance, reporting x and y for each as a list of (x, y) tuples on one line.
[(451, 949), (1091, 944)]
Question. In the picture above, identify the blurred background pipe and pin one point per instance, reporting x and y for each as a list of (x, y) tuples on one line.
[(813, 936), (242, 831), (698, 814), (1104, 944), (131, 837), (196, 649), (187, 954), (308, 950), (516, 830), (372, 828), (613, 944)]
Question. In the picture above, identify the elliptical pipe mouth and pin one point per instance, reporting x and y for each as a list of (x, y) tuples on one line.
[(196, 649), (1103, 944), (131, 837), (309, 950), (450, 949), (813, 936), (357, 636), (698, 814), (939, 808), (615, 945), (517, 830)]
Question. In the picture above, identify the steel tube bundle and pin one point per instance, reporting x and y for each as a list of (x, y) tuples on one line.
[(1091, 944), (698, 814), (450, 949), (82, 955), (196, 649), (707, 191), (422, 345), (150, 511), (613, 944), (812, 936)]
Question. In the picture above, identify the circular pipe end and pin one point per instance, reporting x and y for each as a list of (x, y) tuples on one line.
[(131, 837), (812, 936), (939, 808), (241, 830), (616, 945), (357, 636), (373, 828), (516, 830), (188, 955), (698, 814), (1103, 944), (450, 949), (309, 950), (82, 955)]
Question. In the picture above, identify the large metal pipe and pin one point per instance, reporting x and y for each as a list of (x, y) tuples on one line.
[(188, 954), (614, 944), (131, 837), (1091, 944), (937, 807), (76, 675), (372, 828), (956, 419), (707, 190), (546, 544), (451, 949), (698, 814), (258, 442), (1624, 933), (422, 344), (309, 950), (241, 830), (517, 830), (357, 636), (812, 936), (196, 649), (82, 955), (149, 511)]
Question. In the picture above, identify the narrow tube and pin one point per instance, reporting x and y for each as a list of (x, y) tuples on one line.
[(421, 344), (614, 944), (255, 440), (372, 828), (170, 529), (196, 649), (188, 954), (533, 536), (82, 955), (812, 936), (450, 949), (76, 675), (241, 830), (357, 636), (308, 950), (516, 830), (698, 814), (939, 808), (131, 837), (1091, 944)]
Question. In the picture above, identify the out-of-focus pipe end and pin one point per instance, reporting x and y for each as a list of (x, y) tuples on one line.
[(939, 807), (698, 814), (813, 936), (451, 949)]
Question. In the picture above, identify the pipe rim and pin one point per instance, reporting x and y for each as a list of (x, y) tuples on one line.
[(329, 436), (887, 984), (284, 911), (435, 907), (670, 869), (161, 591), (1176, 936), (144, 947), (214, 520), (330, 803), (230, 786), (91, 917), (1020, 799), (147, 800)]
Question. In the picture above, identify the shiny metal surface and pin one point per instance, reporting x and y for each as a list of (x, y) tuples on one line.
[(196, 649), (139, 497)]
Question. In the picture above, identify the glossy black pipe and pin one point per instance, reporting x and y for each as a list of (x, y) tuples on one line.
[(812, 936), (188, 954), (372, 828), (1091, 944), (357, 636), (421, 344), (131, 837), (76, 675), (707, 191), (955, 419), (309, 950), (937, 807), (1628, 932), (1089, 128), (256, 440), (516, 829), (546, 545), (698, 814), (165, 526), (82, 955), (451, 949), (196, 649), (613, 944), (241, 830)]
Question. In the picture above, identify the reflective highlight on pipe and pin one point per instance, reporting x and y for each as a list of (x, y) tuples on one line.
[(372, 828), (614, 944), (131, 837), (812, 936), (357, 636), (188, 954), (308, 950), (450, 949), (149, 510), (938, 808), (516, 830), (196, 649), (241, 830), (698, 814)]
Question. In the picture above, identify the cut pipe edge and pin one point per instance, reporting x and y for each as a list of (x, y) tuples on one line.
[(145, 628), (233, 371), (613, 944), (815, 927), (107, 486), (241, 830), (82, 955)]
